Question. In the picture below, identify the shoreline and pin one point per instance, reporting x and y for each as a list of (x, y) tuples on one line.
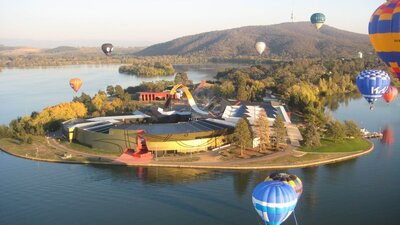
[(211, 167)]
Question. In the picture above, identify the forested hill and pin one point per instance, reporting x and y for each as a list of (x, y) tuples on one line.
[(293, 40)]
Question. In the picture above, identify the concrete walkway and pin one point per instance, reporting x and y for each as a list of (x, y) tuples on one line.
[(294, 135)]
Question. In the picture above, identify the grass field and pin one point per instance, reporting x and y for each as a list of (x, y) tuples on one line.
[(347, 145), (38, 149), (88, 150)]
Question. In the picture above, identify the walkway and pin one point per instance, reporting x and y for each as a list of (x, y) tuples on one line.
[(294, 135)]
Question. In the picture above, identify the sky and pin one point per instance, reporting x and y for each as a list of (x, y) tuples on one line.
[(51, 23)]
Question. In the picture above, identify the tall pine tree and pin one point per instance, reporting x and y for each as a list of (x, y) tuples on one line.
[(242, 135), (262, 130)]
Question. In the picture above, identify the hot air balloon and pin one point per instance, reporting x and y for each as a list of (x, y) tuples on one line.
[(373, 84), (384, 33), (75, 84), (290, 179), (391, 94), (107, 48), (274, 201), (260, 47), (387, 136), (318, 19)]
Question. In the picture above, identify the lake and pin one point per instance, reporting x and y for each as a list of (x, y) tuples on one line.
[(23, 91), (357, 192)]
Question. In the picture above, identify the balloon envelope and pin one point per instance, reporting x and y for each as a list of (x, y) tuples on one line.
[(384, 33), (75, 84), (260, 47), (290, 179), (274, 201), (391, 94), (107, 48), (373, 84), (318, 19)]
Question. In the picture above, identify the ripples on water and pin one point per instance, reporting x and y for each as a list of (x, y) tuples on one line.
[(360, 191), (42, 193)]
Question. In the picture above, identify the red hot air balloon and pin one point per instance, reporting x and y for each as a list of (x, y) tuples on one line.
[(75, 84), (391, 94)]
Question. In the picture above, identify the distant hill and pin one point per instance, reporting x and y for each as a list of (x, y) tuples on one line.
[(65, 50), (62, 49), (6, 50), (294, 40)]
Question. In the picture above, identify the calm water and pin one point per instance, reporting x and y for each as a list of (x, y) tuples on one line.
[(25, 90), (361, 191)]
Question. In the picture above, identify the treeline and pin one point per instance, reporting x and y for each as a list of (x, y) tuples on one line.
[(115, 101), (61, 60), (300, 82), (23, 128), (157, 69), (305, 85), (154, 86), (333, 129)]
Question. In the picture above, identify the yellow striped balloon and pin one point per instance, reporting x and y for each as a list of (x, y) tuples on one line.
[(290, 179), (384, 33)]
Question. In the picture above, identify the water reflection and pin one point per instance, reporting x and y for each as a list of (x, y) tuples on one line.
[(241, 182), (309, 197), (388, 136), (158, 175), (334, 102)]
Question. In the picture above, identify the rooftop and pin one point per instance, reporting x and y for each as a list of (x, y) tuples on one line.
[(178, 128)]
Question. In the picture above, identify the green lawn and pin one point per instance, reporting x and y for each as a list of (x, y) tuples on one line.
[(38, 148), (347, 145), (82, 148)]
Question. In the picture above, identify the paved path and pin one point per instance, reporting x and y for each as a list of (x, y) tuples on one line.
[(294, 135)]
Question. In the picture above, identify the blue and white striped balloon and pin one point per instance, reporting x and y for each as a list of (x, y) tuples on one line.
[(274, 201), (373, 84)]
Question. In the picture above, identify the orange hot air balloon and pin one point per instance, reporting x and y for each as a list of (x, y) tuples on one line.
[(388, 136), (391, 94), (75, 84)]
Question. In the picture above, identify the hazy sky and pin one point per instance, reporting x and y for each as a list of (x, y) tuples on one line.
[(144, 22)]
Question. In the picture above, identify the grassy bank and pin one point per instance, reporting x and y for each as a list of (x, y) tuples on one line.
[(347, 145), (88, 150), (38, 149), (41, 150)]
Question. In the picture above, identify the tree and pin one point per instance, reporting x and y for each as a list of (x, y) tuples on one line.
[(312, 137), (242, 135), (242, 94), (29, 140), (280, 130), (181, 78), (227, 89), (110, 90), (262, 130), (17, 130), (5, 132), (336, 130), (86, 100), (51, 117), (99, 101), (352, 129), (119, 91)]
